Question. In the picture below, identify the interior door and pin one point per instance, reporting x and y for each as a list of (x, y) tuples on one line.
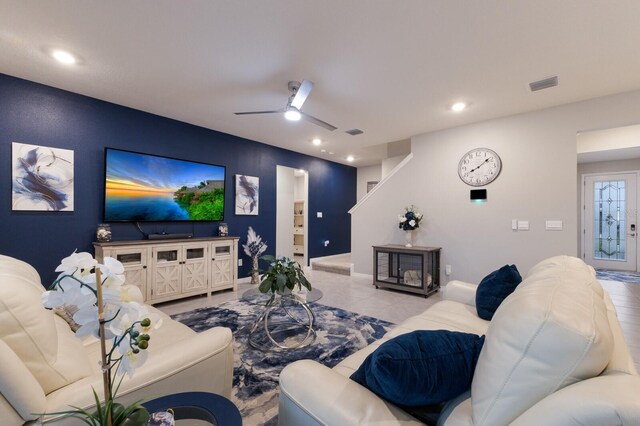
[(610, 226)]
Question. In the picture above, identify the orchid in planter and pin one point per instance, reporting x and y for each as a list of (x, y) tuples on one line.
[(105, 310), (254, 248)]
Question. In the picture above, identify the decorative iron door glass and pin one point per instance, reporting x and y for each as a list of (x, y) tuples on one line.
[(42, 178), (610, 221)]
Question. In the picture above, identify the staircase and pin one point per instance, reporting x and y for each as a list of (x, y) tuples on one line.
[(340, 264)]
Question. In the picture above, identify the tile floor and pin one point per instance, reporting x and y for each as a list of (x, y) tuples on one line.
[(359, 295)]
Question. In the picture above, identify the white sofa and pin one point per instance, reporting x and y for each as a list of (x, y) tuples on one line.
[(45, 368), (554, 355)]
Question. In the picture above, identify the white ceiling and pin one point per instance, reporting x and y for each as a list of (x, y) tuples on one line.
[(390, 68)]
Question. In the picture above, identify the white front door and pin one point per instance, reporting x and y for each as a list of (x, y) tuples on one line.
[(610, 226)]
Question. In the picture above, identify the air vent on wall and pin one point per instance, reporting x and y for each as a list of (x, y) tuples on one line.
[(354, 132), (544, 83)]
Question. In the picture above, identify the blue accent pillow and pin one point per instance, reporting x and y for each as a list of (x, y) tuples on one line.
[(494, 288), (422, 367)]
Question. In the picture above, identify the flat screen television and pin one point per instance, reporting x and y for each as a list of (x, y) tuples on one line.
[(149, 188)]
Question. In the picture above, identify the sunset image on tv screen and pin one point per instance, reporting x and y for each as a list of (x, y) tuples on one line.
[(148, 188)]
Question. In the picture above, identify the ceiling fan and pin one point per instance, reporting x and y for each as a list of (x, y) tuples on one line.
[(299, 93)]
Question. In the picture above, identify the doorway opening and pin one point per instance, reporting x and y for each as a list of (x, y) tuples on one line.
[(292, 218), (608, 170)]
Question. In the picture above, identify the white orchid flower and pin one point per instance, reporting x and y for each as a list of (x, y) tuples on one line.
[(403, 219), (130, 361), (112, 266), (412, 222), (53, 299), (76, 261), (87, 318)]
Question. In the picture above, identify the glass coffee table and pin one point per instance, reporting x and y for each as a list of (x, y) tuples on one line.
[(286, 321)]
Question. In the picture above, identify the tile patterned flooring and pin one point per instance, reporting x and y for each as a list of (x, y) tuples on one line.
[(357, 294)]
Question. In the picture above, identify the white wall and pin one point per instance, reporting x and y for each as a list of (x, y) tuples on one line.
[(367, 174), (608, 139), (389, 164), (538, 182)]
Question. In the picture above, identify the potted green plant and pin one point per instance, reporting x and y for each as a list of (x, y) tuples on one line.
[(283, 274)]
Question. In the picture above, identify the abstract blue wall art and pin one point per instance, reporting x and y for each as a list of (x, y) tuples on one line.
[(247, 189), (42, 178)]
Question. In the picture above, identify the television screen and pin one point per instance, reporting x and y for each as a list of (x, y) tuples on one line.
[(149, 188)]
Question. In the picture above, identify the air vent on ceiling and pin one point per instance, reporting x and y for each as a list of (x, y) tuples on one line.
[(354, 132), (544, 83)]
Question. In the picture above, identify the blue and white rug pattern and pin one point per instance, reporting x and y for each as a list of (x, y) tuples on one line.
[(624, 276), (255, 384)]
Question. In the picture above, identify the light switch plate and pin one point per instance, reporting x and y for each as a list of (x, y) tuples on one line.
[(514, 224), (523, 225), (553, 225), (319, 215)]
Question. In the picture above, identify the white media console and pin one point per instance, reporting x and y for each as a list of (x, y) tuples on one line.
[(171, 269)]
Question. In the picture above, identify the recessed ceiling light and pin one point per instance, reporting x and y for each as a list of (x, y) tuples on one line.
[(458, 106), (323, 150), (350, 158), (317, 141), (330, 152), (63, 57), (292, 114)]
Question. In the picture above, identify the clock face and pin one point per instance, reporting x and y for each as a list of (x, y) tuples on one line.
[(479, 167)]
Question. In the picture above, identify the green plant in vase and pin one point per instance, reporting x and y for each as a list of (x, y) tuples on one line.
[(283, 274)]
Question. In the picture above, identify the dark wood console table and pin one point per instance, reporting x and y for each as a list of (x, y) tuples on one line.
[(411, 269)]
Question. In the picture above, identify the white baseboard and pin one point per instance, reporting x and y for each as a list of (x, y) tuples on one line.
[(318, 259), (245, 280), (359, 275)]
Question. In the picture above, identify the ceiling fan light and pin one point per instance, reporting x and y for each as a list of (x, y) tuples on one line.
[(292, 114)]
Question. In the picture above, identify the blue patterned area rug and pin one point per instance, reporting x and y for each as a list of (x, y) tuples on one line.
[(624, 276), (255, 383)]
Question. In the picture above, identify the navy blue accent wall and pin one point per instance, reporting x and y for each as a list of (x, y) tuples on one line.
[(41, 115)]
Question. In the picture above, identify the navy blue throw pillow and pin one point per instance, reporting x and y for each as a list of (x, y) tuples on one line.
[(422, 367), (494, 288)]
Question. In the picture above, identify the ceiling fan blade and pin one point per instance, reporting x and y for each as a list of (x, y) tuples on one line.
[(302, 93), (259, 112), (318, 122)]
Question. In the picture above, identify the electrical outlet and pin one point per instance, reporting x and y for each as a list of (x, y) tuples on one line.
[(326, 243), (447, 270), (239, 262)]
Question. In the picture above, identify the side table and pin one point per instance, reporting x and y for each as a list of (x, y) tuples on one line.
[(208, 407), (410, 269)]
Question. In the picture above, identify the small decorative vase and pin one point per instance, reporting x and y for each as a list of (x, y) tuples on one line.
[(255, 275), (408, 235)]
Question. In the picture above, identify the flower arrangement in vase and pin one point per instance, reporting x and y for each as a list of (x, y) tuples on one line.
[(409, 221), (254, 248), (104, 309)]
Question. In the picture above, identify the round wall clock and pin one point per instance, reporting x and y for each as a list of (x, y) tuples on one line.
[(479, 167)]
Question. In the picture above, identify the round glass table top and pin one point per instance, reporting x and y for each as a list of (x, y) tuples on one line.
[(254, 295)]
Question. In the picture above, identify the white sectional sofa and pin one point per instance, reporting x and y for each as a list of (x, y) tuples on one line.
[(45, 368), (554, 355)]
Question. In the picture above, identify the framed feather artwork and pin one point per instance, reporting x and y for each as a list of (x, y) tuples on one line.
[(42, 178), (247, 191)]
